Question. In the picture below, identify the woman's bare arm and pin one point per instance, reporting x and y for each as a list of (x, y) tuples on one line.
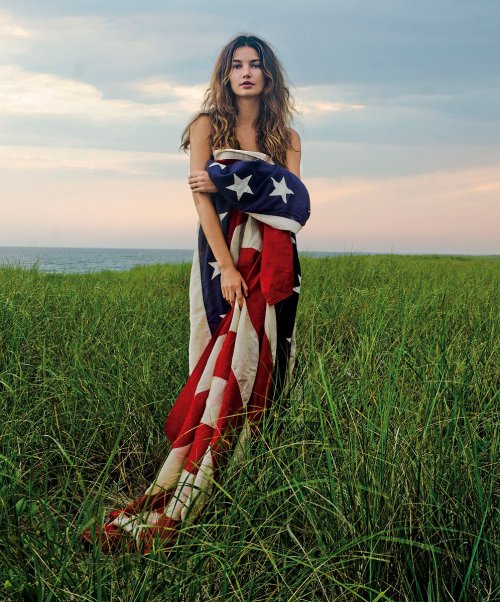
[(232, 282)]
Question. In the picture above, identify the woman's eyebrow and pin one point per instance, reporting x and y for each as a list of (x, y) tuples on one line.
[(239, 61)]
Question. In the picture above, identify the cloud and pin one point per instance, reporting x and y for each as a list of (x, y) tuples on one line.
[(98, 161), (162, 89), (10, 28), (318, 101), (97, 211), (113, 47), (378, 159), (14, 38), (24, 92), (453, 211)]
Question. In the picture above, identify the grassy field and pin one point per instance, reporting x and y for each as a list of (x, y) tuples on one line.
[(375, 477)]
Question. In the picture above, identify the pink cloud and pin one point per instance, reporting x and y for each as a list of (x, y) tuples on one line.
[(442, 212)]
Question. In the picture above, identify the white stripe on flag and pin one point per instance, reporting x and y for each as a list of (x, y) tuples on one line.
[(214, 401), (251, 237), (270, 328), (246, 354), (199, 332), (276, 221), (201, 489), (208, 371), (181, 495), (236, 243), (171, 469)]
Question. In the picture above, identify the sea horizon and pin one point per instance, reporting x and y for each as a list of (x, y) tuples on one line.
[(53, 259)]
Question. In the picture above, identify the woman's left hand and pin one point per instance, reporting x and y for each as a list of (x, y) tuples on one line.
[(199, 181)]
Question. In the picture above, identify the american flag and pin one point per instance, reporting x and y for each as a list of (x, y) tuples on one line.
[(238, 357)]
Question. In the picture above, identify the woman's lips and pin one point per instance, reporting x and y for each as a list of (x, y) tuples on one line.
[(247, 84)]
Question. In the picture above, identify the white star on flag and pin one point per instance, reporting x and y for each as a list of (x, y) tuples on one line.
[(221, 165), (280, 189), (240, 186), (215, 266), (222, 215), (297, 288)]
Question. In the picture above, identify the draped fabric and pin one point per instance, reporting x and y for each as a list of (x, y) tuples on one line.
[(239, 357)]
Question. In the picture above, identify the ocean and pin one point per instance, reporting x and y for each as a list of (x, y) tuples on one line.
[(85, 260)]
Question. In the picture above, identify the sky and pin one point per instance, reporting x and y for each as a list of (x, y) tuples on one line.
[(399, 118)]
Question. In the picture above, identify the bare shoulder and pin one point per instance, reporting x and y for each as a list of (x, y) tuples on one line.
[(201, 126), (295, 140), (199, 143), (293, 154)]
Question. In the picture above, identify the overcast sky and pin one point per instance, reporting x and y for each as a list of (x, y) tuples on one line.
[(399, 121)]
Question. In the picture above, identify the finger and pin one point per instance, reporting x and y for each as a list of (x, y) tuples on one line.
[(245, 288)]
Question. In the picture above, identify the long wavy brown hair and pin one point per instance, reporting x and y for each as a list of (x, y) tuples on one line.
[(276, 108)]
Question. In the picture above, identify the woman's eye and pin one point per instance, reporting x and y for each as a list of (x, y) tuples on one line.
[(254, 65)]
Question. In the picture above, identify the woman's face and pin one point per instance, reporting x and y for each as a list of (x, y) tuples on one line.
[(246, 67)]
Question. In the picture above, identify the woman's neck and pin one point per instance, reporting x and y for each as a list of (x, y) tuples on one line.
[(248, 111)]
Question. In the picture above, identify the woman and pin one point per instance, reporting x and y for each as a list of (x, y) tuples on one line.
[(245, 280)]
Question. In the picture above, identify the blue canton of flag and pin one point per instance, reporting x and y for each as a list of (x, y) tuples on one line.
[(268, 192)]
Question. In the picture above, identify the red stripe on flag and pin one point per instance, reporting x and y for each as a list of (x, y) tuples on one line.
[(191, 420), (276, 274), (201, 441), (177, 415)]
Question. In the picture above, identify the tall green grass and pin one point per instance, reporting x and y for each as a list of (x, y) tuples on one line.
[(375, 477)]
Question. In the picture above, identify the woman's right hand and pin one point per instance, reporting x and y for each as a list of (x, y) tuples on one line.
[(233, 285)]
